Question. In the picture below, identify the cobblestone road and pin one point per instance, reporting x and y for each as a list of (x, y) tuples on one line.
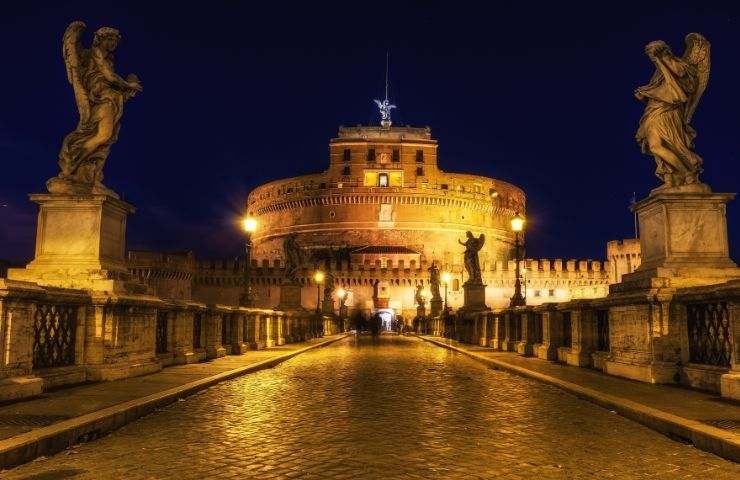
[(397, 408)]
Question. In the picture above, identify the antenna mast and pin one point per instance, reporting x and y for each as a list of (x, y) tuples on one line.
[(385, 106)]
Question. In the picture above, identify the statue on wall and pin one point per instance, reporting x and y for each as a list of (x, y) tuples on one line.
[(328, 286), (293, 258), (472, 263), (671, 98), (418, 296), (434, 282), (100, 94)]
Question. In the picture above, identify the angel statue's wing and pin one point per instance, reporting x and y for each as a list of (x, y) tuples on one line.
[(391, 106), (75, 59), (697, 54), (378, 103)]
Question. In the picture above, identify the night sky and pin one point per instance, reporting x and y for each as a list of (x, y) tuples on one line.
[(539, 95)]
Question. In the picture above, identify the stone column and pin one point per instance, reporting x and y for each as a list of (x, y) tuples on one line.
[(483, 330), (214, 348), (584, 335), (509, 342), (552, 334), (525, 346), (280, 331), (269, 331), (182, 336), (238, 345), (730, 381), (499, 332)]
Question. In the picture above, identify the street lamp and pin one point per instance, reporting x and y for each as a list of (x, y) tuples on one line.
[(250, 225), (446, 280), (341, 293), (318, 277), (517, 225)]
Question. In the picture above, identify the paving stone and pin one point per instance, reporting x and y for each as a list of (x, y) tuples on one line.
[(398, 409)]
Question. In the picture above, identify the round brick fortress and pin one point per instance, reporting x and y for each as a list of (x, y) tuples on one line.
[(383, 189)]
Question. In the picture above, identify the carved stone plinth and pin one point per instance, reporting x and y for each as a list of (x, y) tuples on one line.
[(683, 237), (474, 295), (327, 306), (290, 297), (80, 243), (435, 306)]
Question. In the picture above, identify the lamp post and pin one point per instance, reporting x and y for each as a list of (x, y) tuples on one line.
[(446, 279), (318, 277), (341, 293), (517, 225), (250, 225)]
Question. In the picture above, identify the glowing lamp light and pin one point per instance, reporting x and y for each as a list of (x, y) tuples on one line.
[(426, 294), (446, 277), (341, 293), (517, 223), (249, 224), (318, 276)]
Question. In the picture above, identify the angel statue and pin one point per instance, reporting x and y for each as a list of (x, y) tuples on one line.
[(671, 97), (472, 263), (434, 281), (293, 258), (385, 108), (100, 94)]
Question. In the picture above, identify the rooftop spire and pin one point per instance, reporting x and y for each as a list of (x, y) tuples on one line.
[(385, 105)]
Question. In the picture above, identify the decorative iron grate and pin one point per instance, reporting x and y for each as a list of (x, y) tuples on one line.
[(161, 332), (602, 330), (567, 330), (709, 333), (225, 329), (537, 334), (197, 329), (517, 327), (54, 328)]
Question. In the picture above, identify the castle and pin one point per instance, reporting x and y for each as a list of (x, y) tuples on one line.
[(374, 221)]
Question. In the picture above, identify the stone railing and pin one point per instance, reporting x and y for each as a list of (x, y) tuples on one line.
[(54, 336), (689, 336)]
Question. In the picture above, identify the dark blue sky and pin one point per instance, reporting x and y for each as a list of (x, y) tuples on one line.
[(234, 95)]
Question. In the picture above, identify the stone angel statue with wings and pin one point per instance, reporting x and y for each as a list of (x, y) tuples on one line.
[(671, 98), (100, 94)]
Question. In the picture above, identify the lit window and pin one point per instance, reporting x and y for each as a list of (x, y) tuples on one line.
[(371, 179), (396, 179), (383, 180)]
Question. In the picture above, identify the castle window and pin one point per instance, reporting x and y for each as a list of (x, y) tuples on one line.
[(345, 170), (347, 155), (420, 156), (371, 155), (396, 155), (419, 171), (444, 186), (455, 285), (322, 186), (383, 180), (551, 292)]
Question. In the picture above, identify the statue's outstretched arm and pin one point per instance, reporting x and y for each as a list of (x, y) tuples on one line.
[(108, 73)]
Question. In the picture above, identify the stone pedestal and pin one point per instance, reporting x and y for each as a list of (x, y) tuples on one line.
[(474, 295), (683, 237), (436, 306), (327, 306), (683, 241), (80, 243), (290, 296)]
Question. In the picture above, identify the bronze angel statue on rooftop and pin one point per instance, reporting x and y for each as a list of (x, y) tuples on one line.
[(672, 95), (100, 94)]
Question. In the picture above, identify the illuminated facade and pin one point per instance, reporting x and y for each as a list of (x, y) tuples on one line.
[(378, 217)]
